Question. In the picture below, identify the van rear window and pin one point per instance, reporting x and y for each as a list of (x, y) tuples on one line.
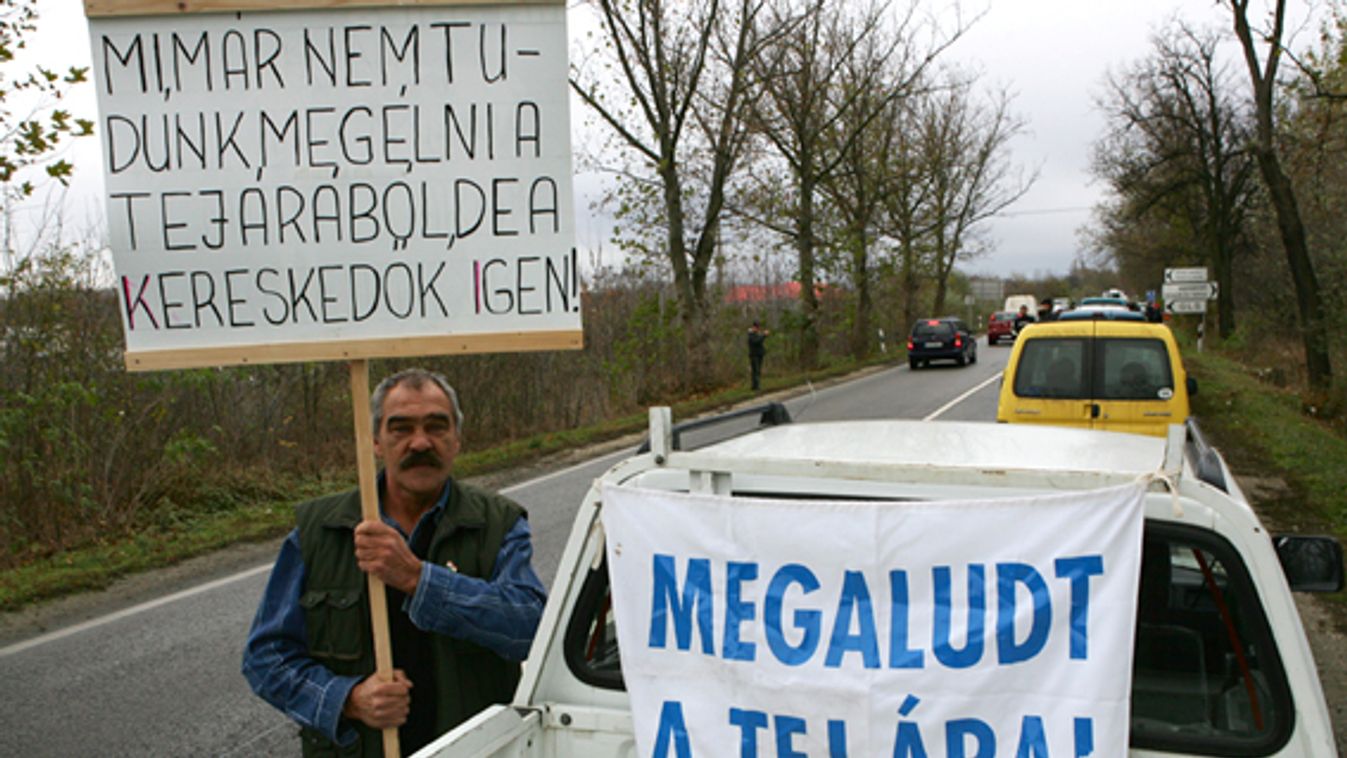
[(1077, 368), (1132, 369), (1053, 368)]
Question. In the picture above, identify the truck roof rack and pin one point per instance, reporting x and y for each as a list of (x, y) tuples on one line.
[(1206, 461), (769, 414)]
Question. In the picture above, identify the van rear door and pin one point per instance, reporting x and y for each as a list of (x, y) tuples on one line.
[(1052, 378), (1096, 374), (1136, 381)]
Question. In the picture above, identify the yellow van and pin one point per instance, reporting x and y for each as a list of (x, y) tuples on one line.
[(1096, 373)]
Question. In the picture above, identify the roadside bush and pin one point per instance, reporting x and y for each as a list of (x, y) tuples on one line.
[(90, 453)]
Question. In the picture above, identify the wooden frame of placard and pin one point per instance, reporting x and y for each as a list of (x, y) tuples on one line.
[(349, 350), (356, 352), (110, 8)]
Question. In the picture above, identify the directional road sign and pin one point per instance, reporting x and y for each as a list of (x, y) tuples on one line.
[(1197, 274), (1186, 306), (1188, 291)]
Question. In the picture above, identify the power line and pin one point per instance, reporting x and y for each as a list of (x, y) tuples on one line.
[(1045, 211)]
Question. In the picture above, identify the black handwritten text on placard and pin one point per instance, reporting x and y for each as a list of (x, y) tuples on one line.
[(335, 294), (357, 212), (269, 172), (357, 55)]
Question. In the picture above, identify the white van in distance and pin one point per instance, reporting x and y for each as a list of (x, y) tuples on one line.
[(1014, 302)]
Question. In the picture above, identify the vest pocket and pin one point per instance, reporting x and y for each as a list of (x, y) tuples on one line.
[(314, 744), (335, 620)]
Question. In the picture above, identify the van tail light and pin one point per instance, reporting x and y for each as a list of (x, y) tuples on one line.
[(909, 345), (958, 341)]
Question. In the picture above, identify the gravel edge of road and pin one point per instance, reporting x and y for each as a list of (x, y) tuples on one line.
[(1329, 645)]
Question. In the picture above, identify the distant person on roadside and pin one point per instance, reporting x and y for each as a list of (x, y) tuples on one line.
[(1045, 311), (1153, 312), (1023, 318), (757, 350), (463, 599)]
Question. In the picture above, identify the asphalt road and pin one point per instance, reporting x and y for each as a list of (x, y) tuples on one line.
[(160, 676)]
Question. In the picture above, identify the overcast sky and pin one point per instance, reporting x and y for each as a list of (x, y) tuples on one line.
[(1053, 54)]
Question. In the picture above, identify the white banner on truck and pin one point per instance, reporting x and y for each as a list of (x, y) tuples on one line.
[(818, 628)]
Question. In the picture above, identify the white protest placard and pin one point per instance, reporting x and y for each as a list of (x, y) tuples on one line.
[(338, 183), (771, 627)]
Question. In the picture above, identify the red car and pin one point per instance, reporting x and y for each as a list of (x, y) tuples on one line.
[(1000, 324)]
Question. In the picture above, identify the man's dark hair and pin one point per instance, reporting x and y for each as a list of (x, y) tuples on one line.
[(414, 378)]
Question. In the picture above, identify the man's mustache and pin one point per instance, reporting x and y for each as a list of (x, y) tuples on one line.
[(420, 458)]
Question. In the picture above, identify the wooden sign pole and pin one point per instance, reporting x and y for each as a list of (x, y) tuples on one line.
[(369, 511)]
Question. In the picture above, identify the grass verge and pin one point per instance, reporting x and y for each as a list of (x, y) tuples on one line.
[(160, 544), (263, 515), (1259, 427)]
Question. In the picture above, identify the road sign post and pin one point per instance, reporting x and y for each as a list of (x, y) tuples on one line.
[(1187, 291)]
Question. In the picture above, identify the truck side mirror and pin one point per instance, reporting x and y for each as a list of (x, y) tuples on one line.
[(1311, 563), (1192, 386)]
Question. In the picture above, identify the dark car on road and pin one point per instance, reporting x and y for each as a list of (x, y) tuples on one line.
[(1000, 325), (945, 338)]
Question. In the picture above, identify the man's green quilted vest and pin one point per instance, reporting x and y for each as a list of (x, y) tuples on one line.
[(336, 606)]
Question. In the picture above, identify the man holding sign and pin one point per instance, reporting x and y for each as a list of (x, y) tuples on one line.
[(463, 599)]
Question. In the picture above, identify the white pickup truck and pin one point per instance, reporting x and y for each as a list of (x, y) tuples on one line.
[(1221, 664)]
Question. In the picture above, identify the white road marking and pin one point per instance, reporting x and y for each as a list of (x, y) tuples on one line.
[(962, 397), (567, 470), (19, 647)]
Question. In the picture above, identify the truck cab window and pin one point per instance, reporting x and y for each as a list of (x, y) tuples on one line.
[(1206, 677), (591, 635)]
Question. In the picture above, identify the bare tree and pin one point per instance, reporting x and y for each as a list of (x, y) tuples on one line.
[(1177, 149), (966, 148), (1281, 192), (1134, 244), (820, 82), (856, 192), (907, 205), (680, 66), (1315, 140)]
